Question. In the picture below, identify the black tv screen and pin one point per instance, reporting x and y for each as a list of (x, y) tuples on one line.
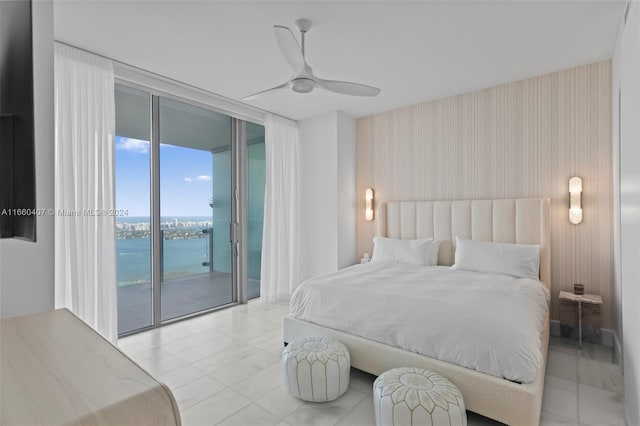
[(17, 161)]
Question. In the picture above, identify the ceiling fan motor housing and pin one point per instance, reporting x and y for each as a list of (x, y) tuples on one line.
[(303, 25), (302, 85)]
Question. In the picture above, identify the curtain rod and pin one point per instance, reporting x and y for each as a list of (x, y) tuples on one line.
[(174, 81)]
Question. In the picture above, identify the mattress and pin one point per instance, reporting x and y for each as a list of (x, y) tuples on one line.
[(485, 322)]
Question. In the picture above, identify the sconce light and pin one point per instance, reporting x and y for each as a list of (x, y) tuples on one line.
[(368, 207), (575, 200)]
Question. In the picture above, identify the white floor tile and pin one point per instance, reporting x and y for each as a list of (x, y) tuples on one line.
[(161, 364), (601, 375), (236, 371), (600, 407), (180, 376), (227, 355), (271, 341), (551, 419), (361, 415), (560, 397), (205, 349), (562, 364), (597, 352), (172, 332), (196, 391), (214, 409), (251, 415), (131, 347), (280, 402), (195, 341), (325, 413), (151, 353), (261, 383), (254, 330)]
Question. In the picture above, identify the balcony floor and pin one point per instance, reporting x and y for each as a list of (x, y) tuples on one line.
[(179, 296)]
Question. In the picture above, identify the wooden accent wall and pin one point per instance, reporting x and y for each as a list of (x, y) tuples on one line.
[(522, 139)]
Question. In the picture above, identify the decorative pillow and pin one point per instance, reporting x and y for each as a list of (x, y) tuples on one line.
[(520, 260), (423, 251)]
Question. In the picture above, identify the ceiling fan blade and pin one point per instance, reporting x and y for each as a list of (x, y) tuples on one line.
[(289, 47), (348, 88), (273, 89)]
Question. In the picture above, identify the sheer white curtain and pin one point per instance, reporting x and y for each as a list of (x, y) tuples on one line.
[(279, 274), (85, 259)]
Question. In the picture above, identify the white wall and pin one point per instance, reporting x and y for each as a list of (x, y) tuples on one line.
[(26, 268), (318, 204), (347, 197), (626, 79), (327, 187)]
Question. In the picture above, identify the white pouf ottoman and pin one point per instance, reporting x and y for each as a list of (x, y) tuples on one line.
[(316, 369), (415, 396)]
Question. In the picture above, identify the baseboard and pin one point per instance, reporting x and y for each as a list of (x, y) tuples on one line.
[(603, 336)]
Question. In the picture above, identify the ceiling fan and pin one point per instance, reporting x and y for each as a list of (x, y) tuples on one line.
[(302, 79)]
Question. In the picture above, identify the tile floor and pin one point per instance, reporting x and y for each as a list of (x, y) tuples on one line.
[(224, 368)]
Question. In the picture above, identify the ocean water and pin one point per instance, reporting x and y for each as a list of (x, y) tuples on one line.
[(181, 257), (184, 254)]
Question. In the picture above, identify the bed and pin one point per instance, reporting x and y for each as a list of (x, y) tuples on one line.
[(523, 221)]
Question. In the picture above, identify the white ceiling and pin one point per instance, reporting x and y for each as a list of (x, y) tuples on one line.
[(414, 51)]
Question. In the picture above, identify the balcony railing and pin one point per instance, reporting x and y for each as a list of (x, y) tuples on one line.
[(167, 234)]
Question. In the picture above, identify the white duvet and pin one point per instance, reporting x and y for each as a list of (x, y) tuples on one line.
[(486, 322)]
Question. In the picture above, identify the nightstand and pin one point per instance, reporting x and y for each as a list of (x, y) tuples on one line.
[(591, 299)]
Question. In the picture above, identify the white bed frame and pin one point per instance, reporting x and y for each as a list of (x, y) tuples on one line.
[(523, 221)]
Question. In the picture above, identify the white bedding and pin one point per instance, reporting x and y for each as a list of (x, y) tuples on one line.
[(486, 322)]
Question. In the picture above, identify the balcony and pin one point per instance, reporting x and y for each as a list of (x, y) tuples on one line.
[(180, 296)]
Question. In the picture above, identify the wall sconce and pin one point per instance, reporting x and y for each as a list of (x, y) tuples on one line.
[(368, 201), (575, 200)]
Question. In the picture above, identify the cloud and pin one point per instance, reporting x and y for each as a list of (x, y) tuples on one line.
[(202, 178), (133, 145)]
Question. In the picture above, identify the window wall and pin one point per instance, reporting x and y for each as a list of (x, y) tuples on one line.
[(179, 251)]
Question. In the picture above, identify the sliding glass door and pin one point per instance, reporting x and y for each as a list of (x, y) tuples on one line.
[(182, 179), (133, 231), (195, 209)]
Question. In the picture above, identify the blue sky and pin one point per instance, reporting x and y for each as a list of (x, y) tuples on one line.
[(185, 179)]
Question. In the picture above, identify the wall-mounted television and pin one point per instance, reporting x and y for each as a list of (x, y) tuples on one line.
[(17, 144)]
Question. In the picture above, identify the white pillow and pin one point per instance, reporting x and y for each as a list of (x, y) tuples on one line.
[(423, 251), (520, 260)]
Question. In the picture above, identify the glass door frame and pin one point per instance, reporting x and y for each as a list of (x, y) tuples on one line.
[(239, 205), (239, 210)]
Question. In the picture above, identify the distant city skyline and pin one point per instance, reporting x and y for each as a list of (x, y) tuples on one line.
[(185, 179)]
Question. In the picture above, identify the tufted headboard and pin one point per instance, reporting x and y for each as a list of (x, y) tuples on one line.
[(518, 220)]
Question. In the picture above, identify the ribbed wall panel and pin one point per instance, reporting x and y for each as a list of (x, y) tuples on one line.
[(442, 232), (408, 212), (460, 223), (482, 221), (424, 215), (519, 140)]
